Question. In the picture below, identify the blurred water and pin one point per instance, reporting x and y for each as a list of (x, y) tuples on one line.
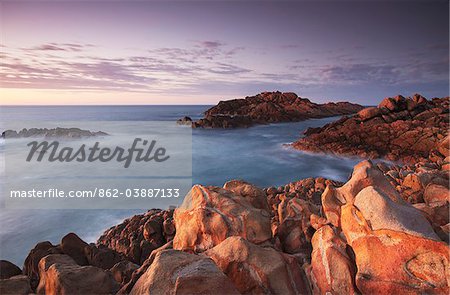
[(256, 154)]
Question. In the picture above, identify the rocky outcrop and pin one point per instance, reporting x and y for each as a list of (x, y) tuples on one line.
[(332, 270), (139, 235), (185, 121), (73, 249), (270, 107), (209, 215), (410, 129), (394, 246), (60, 274), (370, 235), (177, 272), (258, 270), (51, 133), (31, 264)]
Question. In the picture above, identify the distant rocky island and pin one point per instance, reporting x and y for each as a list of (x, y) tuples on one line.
[(384, 231), (57, 132), (268, 107)]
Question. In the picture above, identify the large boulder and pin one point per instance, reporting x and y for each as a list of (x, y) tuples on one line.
[(31, 264), (123, 270), (177, 272), (102, 256), (209, 215), (332, 270), (136, 275), (369, 113), (392, 261), (254, 195), (16, 285), (383, 213), (366, 174), (73, 245), (294, 228), (8, 269), (331, 205), (257, 270), (60, 274), (136, 237)]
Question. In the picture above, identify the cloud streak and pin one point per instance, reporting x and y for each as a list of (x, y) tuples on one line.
[(205, 66)]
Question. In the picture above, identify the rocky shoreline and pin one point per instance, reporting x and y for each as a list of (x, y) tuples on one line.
[(403, 129), (308, 237), (268, 107), (384, 231)]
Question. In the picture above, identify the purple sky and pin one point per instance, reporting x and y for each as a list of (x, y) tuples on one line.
[(111, 52)]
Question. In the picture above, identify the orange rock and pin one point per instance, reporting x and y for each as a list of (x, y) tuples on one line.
[(209, 215), (60, 274), (391, 262), (317, 221), (177, 272), (444, 146), (394, 262), (254, 195), (366, 174), (257, 270), (436, 195), (369, 113), (331, 205), (294, 229), (332, 271), (381, 212), (413, 182)]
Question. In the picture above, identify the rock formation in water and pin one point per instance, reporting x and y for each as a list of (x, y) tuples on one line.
[(57, 132), (407, 129), (270, 107), (383, 231), (184, 121)]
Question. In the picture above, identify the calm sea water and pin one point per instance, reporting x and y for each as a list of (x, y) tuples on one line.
[(255, 154)]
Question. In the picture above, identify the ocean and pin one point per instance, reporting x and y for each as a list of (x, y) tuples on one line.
[(257, 155)]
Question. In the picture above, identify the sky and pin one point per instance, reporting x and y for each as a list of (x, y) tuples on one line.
[(183, 52)]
